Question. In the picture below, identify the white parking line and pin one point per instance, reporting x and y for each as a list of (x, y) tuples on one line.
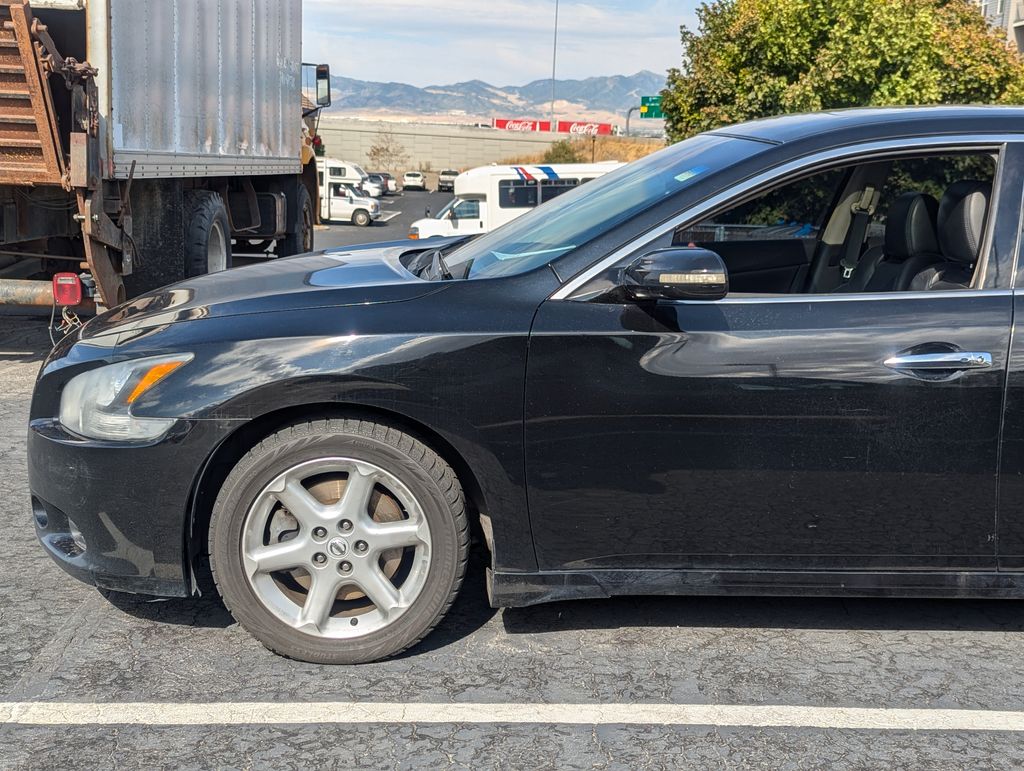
[(389, 216), (266, 713)]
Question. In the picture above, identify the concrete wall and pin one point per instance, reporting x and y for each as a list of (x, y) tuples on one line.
[(442, 147)]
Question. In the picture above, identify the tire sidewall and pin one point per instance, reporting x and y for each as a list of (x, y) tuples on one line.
[(244, 485), (361, 218), (206, 212)]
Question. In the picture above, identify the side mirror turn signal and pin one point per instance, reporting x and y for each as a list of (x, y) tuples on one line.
[(676, 273)]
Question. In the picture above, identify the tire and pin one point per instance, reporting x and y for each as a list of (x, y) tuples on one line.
[(275, 606), (207, 234), (361, 218), (299, 239)]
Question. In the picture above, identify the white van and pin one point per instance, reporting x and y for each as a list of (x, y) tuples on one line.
[(489, 196), (347, 204), (331, 171)]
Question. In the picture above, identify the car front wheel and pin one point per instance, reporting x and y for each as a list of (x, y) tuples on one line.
[(339, 541)]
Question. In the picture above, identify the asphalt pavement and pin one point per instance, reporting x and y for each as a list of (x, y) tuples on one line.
[(123, 682), (399, 212)]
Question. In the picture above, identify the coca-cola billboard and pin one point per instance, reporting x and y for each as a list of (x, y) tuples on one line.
[(584, 128), (577, 127), (519, 124)]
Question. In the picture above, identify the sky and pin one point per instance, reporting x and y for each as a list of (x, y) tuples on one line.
[(503, 42)]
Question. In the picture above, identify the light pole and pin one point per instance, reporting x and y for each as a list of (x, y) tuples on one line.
[(554, 55), (628, 114)]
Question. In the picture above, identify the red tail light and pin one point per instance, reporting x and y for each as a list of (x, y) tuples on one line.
[(67, 289)]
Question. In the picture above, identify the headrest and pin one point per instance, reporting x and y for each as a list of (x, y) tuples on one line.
[(910, 226), (962, 219)]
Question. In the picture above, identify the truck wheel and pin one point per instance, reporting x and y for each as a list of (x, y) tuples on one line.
[(207, 234), (339, 541), (300, 239), (361, 218)]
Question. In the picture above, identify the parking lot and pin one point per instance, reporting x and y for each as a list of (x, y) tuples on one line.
[(398, 213), (97, 682)]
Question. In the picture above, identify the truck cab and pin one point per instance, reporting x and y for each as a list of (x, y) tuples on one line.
[(489, 196)]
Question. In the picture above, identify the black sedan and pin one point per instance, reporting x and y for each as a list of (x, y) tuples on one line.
[(777, 358)]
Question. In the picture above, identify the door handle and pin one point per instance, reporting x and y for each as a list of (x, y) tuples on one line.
[(945, 360)]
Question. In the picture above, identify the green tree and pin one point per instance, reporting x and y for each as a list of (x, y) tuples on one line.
[(755, 58)]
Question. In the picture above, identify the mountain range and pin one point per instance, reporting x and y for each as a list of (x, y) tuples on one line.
[(594, 98)]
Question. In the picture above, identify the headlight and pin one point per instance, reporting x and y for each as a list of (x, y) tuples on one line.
[(97, 404)]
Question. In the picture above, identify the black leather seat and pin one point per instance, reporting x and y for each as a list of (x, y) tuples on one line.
[(910, 246), (961, 227)]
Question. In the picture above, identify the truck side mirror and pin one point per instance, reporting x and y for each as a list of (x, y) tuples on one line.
[(323, 85), (426, 212)]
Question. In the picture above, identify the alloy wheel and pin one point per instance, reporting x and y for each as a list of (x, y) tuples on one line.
[(336, 547)]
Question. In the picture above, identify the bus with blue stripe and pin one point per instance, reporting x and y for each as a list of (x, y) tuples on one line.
[(489, 196)]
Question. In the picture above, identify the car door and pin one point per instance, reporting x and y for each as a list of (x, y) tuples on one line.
[(770, 432)]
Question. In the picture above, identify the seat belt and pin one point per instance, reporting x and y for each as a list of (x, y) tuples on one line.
[(862, 209)]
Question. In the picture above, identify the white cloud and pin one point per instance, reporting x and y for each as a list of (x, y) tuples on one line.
[(505, 42)]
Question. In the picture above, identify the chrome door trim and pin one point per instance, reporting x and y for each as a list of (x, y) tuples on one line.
[(945, 360), (792, 168), (758, 299)]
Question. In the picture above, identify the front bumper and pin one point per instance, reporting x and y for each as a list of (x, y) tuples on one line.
[(118, 516)]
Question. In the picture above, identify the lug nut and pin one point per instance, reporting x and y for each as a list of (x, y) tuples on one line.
[(345, 526), (361, 546), (345, 567), (319, 559), (319, 532)]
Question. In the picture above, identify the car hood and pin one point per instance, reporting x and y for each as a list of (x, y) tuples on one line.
[(357, 275)]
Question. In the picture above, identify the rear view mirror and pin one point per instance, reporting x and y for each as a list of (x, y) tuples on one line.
[(676, 274)]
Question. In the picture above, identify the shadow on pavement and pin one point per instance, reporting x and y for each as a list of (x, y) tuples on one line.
[(768, 612), (206, 611), (470, 611), (24, 338)]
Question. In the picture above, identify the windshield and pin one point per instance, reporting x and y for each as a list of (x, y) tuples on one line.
[(447, 208), (591, 210), (362, 174)]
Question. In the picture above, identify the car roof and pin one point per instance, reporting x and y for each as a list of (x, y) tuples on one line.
[(881, 123)]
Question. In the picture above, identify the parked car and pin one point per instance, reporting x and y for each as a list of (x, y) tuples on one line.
[(346, 203), (414, 180), (374, 186), (623, 409), (392, 183), (446, 181)]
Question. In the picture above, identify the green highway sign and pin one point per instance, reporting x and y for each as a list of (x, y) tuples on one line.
[(650, 107)]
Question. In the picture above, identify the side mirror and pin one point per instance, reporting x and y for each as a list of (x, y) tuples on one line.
[(323, 85), (676, 274), (426, 213)]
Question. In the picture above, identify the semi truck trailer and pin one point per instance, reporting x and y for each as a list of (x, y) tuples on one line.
[(141, 141)]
